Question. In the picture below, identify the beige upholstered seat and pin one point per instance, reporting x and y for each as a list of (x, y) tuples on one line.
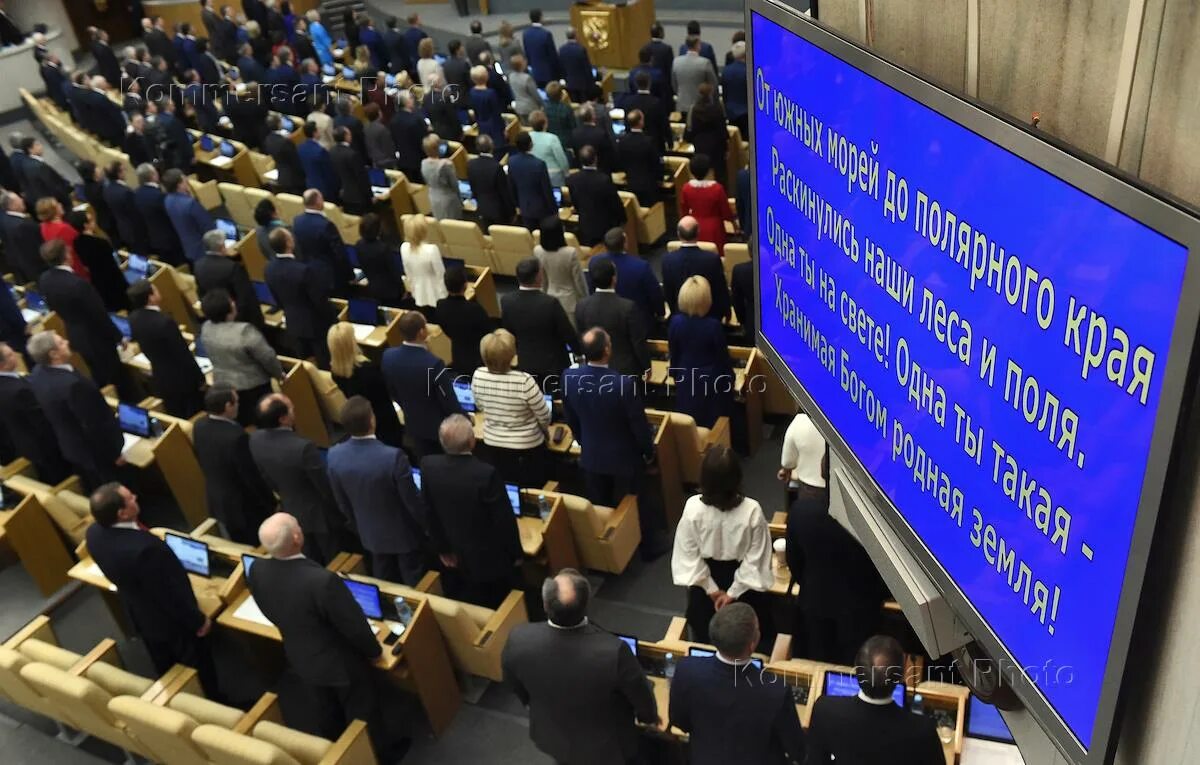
[(465, 241), (305, 748), (16, 688), (204, 711), (288, 206), (510, 245), (165, 735), (651, 221), (235, 202), (605, 537), (78, 702), (224, 746)]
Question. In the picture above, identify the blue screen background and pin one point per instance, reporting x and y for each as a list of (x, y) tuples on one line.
[(1114, 264)]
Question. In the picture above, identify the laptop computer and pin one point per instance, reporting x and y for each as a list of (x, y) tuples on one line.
[(35, 302), (464, 191), (984, 722), (196, 557), (363, 311), (618, 128), (557, 195), (367, 597), (122, 325), (846, 684), (230, 229), (134, 420), (206, 142), (378, 178), (465, 396), (705, 653), (265, 296), (514, 498)]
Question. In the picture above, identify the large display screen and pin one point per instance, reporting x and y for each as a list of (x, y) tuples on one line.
[(999, 349)]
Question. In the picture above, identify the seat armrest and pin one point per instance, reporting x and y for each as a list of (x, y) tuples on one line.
[(353, 747), (617, 517), (782, 650), (38, 628), (430, 584), (207, 526), (266, 708), (178, 679), (503, 619), (105, 650)]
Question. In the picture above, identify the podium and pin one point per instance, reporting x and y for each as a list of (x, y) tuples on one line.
[(613, 33)]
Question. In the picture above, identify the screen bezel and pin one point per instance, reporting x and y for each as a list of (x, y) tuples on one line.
[(352, 583), (190, 540), (1153, 208), (124, 407), (972, 700)]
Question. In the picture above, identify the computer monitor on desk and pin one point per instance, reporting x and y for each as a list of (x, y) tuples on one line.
[(367, 597), (363, 311), (514, 497), (465, 396), (846, 684), (134, 420), (122, 325), (192, 553), (706, 653), (230, 230), (264, 294), (984, 722)]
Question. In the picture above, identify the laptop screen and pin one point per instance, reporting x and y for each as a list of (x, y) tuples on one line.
[(247, 563), (367, 597), (206, 143), (263, 292), (228, 227), (416, 474), (705, 653), (227, 149), (192, 553), (618, 128), (378, 177), (362, 311), (464, 190), (122, 325), (465, 396), (514, 497), (557, 196), (34, 301), (984, 721), (139, 264), (631, 642), (287, 124), (846, 684), (134, 419)]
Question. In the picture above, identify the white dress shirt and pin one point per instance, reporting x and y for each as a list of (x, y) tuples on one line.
[(740, 534), (803, 451)]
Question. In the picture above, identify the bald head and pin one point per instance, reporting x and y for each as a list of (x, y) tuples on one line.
[(281, 535), (565, 597), (688, 229), (313, 199), (8, 358)]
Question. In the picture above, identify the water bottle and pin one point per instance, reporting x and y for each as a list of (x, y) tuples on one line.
[(669, 666), (918, 704), (543, 506), (404, 612), (156, 428)]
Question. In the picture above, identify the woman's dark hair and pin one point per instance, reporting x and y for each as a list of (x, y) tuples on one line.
[(264, 212), (77, 219), (370, 227), (721, 478), (87, 170), (699, 166), (552, 236), (216, 305), (455, 280)]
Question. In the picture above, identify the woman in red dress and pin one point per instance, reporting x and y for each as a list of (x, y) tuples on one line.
[(707, 201), (50, 213)]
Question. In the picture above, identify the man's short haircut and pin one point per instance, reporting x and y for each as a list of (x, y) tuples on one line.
[(595, 343), (341, 133), (311, 196), (523, 142), (693, 27), (527, 271), (310, 129), (213, 241), (484, 144), (54, 252), (732, 630), (105, 502), (642, 80), (453, 47), (656, 30), (603, 272), (614, 239), (635, 119), (476, 27), (535, 15), (139, 293), (279, 239), (688, 231), (587, 155), (879, 665), (571, 611), (356, 416), (455, 280), (216, 305), (456, 434), (410, 325), (40, 346), (217, 397), (270, 411), (172, 180), (146, 173)]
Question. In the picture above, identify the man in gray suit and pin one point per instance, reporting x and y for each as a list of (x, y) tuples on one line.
[(293, 467), (687, 73), (583, 686)]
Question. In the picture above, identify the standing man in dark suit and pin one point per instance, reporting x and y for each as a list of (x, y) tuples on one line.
[(378, 146), (457, 69), (318, 240), (106, 59), (131, 230), (608, 418), (174, 372), (82, 310), (476, 43), (618, 317), (706, 49), (177, 146), (294, 469), (151, 583), (278, 143), (351, 173), (220, 269), (654, 85), (157, 41), (318, 166), (545, 337), (189, 218), (248, 114), (490, 187), (594, 197), (25, 423), (303, 294), (576, 67), (55, 80), (83, 422), (327, 640), (869, 728), (735, 89), (530, 183), (689, 260), (373, 486), (661, 58), (408, 131), (742, 299), (635, 278), (393, 43), (40, 180), (22, 237), (731, 711), (583, 686), (236, 493), (464, 321), (420, 383), (412, 38), (588, 133), (471, 522), (440, 105), (344, 117), (641, 159), (150, 202), (538, 43), (140, 146)]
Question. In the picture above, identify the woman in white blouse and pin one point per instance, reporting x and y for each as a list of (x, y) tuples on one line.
[(722, 546), (427, 65), (515, 413), (424, 271)]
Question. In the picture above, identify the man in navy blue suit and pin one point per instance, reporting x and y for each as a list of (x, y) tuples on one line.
[(303, 293), (735, 90), (373, 486), (188, 217), (319, 241), (412, 38), (635, 278), (420, 383), (150, 203), (530, 183), (706, 49), (318, 165), (607, 417), (576, 67), (540, 50), (689, 260)]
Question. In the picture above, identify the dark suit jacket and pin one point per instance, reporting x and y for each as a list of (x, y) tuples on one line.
[(28, 429), (140, 148), (106, 62), (381, 265), (130, 227), (326, 638), (237, 495), (661, 58), (219, 272), (420, 383), (318, 240), (470, 516), (619, 317), (852, 730), (679, 266), (22, 236), (595, 198), (531, 187), (96, 254), (159, 44), (608, 418), (150, 580), (542, 329), (544, 65), (40, 180), (397, 52), (734, 714), (287, 161), (491, 189), (172, 364), (164, 242), (88, 327), (83, 422), (458, 72), (657, 118), (743, 298), (576, 67), (303, 294), (831, 566), (735, 90), (352, 177), (636, 281), (249, 118), (55, 81), (642, 161), (465, 322), (412, 38), (443, 117), (408, 130), (191, 222), (599, 139), (318, 169), (584, 689), (293, 468), (373, 485)]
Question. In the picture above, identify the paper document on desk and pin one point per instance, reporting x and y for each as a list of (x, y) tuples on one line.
[(978, 752), (362, 331), (30, 315), (130, 441), (205, 364), (92, 571), (272, 176), (249, 611), (220, 161)]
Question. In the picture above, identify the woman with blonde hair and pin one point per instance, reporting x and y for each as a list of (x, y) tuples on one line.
[(487, 107), (427, 65), (356, 375), (516, 414), (700, 360), (423, 267), (362, 62), (50, 213), (442, 179)]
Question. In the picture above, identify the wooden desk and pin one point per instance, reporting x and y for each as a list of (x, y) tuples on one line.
[(298, 386), (207, 590), (374, 338), (548, 540), (175, 458), (25, 527), (613, 34), (239, 168), (422, 666)]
